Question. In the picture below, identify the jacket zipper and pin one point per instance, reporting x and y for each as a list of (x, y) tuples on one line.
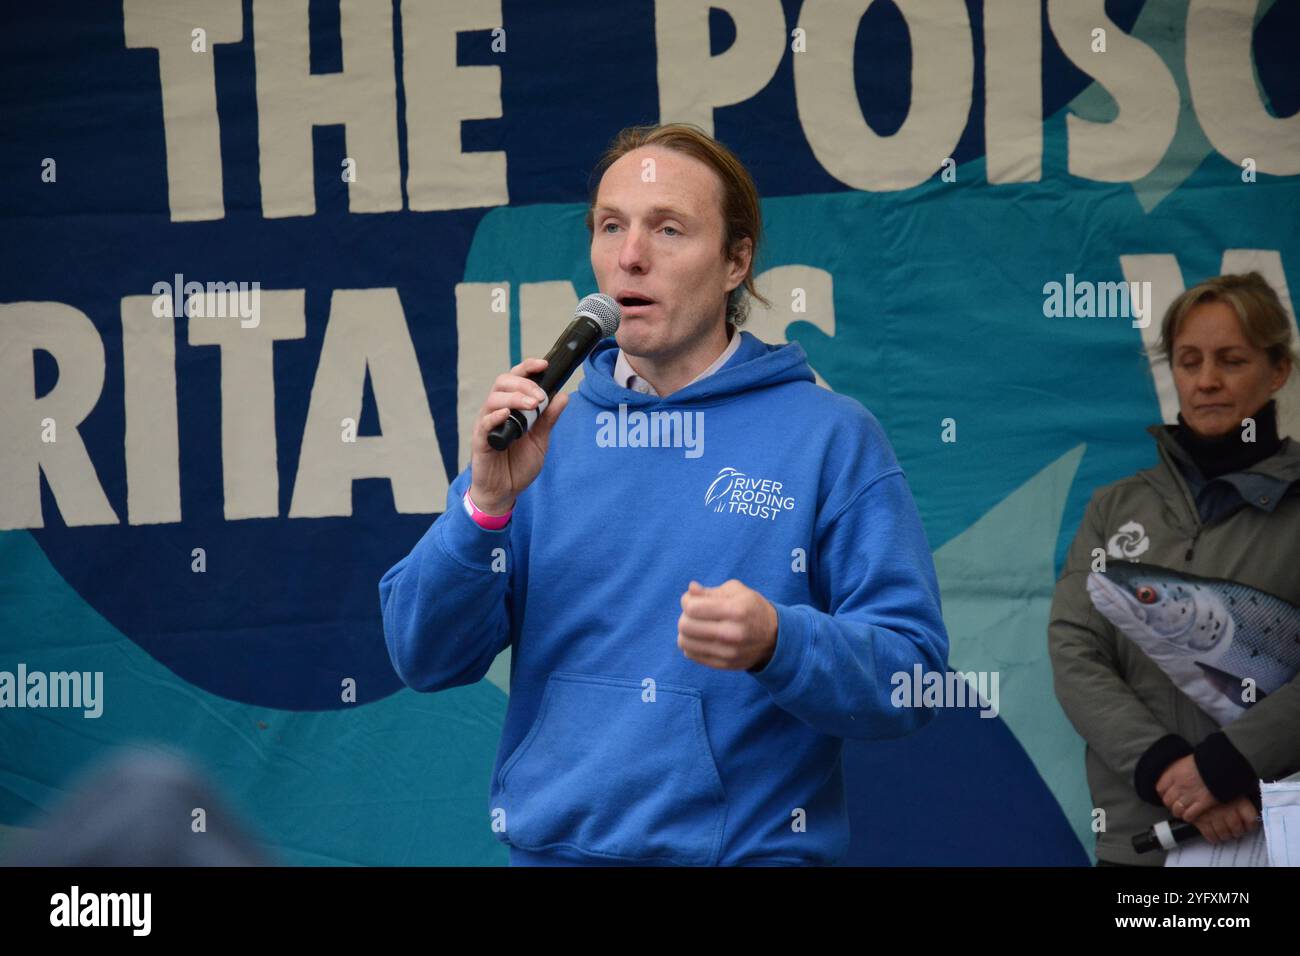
[(1187, 500)]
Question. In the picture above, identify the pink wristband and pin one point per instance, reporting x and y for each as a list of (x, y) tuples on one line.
[(482, 518)]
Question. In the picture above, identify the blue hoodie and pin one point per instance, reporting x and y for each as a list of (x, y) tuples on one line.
[(617, 748)]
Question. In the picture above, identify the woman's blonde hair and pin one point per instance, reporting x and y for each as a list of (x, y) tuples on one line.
[(741, 216), (1263, 318)]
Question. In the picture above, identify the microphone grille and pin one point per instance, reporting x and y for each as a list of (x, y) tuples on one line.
[(603, 310)]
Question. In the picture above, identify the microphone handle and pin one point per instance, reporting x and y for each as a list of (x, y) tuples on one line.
[(1165, 836), (564, 358)]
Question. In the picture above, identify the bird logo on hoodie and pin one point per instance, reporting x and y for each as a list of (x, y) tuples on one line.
[(729, 475)]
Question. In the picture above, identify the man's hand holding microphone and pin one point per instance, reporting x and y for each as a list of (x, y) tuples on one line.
[(499, 476), (514, 425)]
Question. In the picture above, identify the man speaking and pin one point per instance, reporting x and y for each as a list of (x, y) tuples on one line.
[(698, 621)]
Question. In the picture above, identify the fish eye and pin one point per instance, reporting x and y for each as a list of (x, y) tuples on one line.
[(1145, 594)]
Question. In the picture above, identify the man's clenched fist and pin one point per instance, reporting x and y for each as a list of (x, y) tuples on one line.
[(730, 627)]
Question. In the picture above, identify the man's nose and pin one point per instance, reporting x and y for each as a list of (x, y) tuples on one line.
[(632, 257)]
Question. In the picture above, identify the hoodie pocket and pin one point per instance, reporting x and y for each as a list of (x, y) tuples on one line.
[(605, 771)]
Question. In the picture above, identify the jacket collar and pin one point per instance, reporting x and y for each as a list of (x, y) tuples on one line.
[(1276, 473)]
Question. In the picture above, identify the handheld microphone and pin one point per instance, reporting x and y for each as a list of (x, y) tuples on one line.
[(1165, 836), (596, 317)]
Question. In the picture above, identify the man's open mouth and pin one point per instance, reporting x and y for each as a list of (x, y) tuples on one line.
[(634, 300)]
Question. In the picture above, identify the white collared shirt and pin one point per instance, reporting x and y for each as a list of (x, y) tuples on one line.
[(626, 376)]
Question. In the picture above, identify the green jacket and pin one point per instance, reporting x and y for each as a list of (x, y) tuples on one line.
[(1124, 706)]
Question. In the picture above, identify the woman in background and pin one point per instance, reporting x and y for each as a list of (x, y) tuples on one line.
[(1222, 502)]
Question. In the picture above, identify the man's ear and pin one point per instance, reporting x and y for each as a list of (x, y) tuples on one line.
[(742, 250)]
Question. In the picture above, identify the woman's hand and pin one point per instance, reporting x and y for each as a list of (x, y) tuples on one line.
[(1228, 821), (1183, 791)]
